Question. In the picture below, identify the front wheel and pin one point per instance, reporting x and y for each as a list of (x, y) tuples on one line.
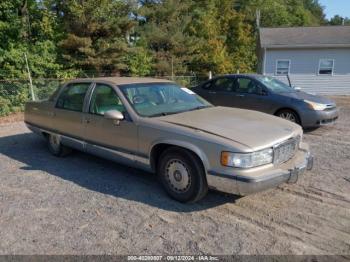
[(55, 146), (182, 175), (289, 115)]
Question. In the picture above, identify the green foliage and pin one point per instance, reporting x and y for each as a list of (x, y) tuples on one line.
[(226, 41), (283, 12), (13, 95), (95, 34), (140, 62), (163, 29), (338, 20), (5, 106), (79, 38)]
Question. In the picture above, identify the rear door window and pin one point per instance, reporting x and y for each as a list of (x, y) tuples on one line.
[(72, 97)]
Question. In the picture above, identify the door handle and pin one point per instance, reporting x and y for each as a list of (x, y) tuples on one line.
[(51, 114), (86, 121), (212, 92), (240, 95)]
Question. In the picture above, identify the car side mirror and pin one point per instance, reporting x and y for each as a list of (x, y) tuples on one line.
[(263, 92), (114, 115)]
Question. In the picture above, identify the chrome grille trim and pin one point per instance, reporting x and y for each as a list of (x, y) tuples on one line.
[(286, 150)]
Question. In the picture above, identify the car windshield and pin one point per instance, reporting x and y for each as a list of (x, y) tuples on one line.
[(275, 85), (160, 99)]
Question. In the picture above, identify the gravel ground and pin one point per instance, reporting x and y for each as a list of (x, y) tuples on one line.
[(85, 205)]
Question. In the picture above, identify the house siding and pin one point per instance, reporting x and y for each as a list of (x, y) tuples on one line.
[(304, 69), (306, 61), (322, 85)]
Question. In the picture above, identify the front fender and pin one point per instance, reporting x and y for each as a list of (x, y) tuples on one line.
[(191, 147)]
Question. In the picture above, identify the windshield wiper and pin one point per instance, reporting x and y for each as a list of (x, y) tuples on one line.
[(163, 114), (178, 112), (198, 108)]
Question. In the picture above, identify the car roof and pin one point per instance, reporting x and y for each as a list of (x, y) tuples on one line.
[(255, 76), (122, 80), (236, 75)]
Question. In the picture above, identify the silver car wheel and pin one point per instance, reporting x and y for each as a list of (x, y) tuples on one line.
[(288, 116), (178, 176)]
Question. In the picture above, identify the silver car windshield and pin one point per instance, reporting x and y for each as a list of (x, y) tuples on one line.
[(275, 85), (160, 99)]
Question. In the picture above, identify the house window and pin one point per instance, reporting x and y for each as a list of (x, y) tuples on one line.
[(326, 67), (282, 67)]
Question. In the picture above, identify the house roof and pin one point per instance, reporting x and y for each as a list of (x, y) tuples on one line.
[(298, 37)]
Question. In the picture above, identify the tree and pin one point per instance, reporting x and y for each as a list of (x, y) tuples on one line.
[(225, 43), (140, 62), (338, 20), (95, 34), (163, 29), (27, 27), (276, 13)]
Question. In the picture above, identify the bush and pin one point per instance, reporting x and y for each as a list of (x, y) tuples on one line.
[(13, 96), (5, 108)]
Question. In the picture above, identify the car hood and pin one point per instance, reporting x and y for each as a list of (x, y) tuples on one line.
[(252, 129), (306, 96)]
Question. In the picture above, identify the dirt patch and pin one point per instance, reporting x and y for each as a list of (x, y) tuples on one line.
[(16, 117), (85, 205)]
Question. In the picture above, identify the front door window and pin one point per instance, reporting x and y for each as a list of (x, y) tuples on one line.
[(247, 86), (104, 99)]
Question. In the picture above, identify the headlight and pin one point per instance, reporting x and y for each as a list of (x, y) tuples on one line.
[(315, 106), (248, 160)]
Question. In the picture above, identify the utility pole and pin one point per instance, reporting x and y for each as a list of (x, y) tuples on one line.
[(30, 78), (172, 68), (258, 17)]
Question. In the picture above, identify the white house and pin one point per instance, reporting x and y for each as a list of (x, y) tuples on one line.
[(317, 59)]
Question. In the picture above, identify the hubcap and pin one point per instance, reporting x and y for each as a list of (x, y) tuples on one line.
[(177, 175), (288, 116)]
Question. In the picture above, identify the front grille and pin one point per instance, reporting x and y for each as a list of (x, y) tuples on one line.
[(286, 150)]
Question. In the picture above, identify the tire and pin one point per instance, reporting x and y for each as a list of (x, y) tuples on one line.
[(182, 175), (55, 146), (289, 115)]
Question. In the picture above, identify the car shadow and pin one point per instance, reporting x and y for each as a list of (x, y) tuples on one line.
[(101, 175), (311, 129)]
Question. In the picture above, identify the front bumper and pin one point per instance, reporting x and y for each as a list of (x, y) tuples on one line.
[(312, 118), (245, 185)]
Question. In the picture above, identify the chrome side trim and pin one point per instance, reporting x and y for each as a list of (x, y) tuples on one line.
[(110, 154), (73, 142), (141, 161)]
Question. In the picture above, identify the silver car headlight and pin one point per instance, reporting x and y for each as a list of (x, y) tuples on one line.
[(315, 106), (247, 160)]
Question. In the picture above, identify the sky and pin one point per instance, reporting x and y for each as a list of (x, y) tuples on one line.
[(336, 7)]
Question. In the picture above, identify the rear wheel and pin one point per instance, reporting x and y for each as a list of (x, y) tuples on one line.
[(289, 115), (55, 146), (182, 175)]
